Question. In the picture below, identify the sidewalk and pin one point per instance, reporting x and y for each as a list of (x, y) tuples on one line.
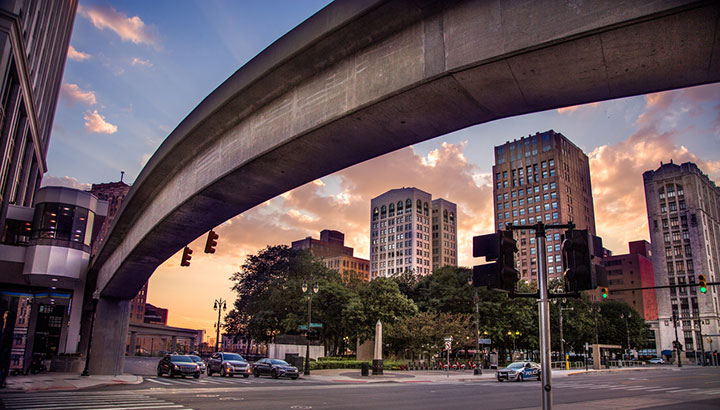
[(64, 381)]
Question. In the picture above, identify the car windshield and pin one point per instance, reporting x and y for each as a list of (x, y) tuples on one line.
[(516, 366), (195, 358), (233, 356), (280, 362), (179, 358)]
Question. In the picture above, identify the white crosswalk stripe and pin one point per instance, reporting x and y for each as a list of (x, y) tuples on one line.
[(81, 401)]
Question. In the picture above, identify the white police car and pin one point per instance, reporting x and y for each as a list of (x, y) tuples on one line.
[(519, 371)]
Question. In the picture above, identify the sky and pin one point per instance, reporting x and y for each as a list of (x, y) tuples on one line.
[(136, 69)]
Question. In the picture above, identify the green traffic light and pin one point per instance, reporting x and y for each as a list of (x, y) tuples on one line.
[(604, 295), (703, 289)]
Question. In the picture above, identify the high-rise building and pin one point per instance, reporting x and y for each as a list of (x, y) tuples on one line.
[(683, 207), (444, 233), (401, 232), (335, 255), (34, 39), (542, 177), (632, 270)]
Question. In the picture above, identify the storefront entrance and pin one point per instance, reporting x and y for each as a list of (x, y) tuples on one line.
[(48, 329)]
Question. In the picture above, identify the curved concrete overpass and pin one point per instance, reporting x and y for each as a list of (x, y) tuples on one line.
[(363, 78)]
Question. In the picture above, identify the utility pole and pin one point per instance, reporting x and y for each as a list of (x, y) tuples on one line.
[(561, 309)]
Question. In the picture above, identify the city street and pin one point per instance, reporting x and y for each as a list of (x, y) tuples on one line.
[(667, 388)]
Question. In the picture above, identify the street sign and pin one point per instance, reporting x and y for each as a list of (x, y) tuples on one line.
[(448, 339), (448, 344), (312, 325), (484, 341)]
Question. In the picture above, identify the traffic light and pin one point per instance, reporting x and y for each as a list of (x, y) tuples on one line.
[(211, 242), (187, 252), (578, 249), (604, 292), (499, 247), (703, 283)]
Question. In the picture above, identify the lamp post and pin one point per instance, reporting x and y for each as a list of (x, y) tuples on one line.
[(596, 311), (677, 343), (562, 339), (220, 306), (513, 336), (627, 328), (478, 369), (95, 297), (310, 288)]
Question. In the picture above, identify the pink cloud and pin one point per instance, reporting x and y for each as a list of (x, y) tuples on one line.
[(77, 55), (128, 28), (74, 94), (96, 123), (51, 180), (572, 108)]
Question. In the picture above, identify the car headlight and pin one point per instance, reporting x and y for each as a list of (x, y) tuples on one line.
[(176, 367)]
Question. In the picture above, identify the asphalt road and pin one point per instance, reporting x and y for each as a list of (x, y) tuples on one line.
[(669, 388)]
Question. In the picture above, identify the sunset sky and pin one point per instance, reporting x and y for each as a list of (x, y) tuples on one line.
[(135, 69)]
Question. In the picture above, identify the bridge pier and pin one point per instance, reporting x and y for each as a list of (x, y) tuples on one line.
[(133, 344), (107, 354)]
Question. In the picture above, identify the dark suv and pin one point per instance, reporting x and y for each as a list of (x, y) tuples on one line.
[(176, 364), (228, 364)]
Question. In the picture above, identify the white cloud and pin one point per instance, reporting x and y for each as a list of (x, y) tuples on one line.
[(51, 180), (96, 123), (141, 62), (128, 28), (74, 94), (77, 55)]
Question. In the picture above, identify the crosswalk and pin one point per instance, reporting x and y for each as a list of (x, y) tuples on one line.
[(636, 388), (207, 381), (85, 401)]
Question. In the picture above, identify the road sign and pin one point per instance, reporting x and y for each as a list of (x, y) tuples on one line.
[(484, 341), (448, 344), (448, 339), (312, 325)]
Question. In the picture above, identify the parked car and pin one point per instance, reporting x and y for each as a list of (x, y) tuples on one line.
[(519, 371), (199, 361), (228, 364), (275, 368), (178, 365), (656, 360)]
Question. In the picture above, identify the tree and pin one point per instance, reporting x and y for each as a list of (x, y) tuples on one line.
[(379, 299)]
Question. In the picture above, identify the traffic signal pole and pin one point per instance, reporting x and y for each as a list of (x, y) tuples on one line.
[(544, 311)]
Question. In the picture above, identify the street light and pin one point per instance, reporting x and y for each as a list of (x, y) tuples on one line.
[(627, 328), (513, 336), (310, 289), (478, 369), (220, 306), (562, 340), (95, 297)]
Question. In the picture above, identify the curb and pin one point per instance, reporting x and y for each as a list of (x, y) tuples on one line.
[(628, 369), (70, 387)]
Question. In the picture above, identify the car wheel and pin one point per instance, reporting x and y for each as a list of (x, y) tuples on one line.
[(274, 374), (500, 380), (159, 372), (209, 372), (231, 374), (171, 373), (196, 375), (246, 375), (519, 378), (256, 373), (294, 377)]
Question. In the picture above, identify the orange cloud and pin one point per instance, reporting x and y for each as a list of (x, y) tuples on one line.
[(96, 123), (572, 108), (128, 28), (77, 55), (74, 94)]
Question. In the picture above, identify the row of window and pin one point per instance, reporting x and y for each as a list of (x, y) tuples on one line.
[(531, 220), (516, 150), (521, 202), (537, 209), (528, 191), (386, 211)]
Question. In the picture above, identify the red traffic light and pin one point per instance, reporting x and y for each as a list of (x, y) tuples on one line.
[(211, 242), (186, 256)]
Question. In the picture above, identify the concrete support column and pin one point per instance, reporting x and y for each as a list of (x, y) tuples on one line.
[(107, 355), (173, 344), (72, 342), (133, 343)]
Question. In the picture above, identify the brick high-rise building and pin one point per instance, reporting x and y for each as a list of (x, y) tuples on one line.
[(542, 177), (683, 207), (632, 270), (401, 232), (335, 255)]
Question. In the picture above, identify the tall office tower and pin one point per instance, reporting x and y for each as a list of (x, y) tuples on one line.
[(400, 232), (444, 233), (542, 177), (632, 270), (683, 207), (34, 40)]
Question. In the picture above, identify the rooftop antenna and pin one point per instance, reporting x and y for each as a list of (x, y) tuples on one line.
[(122, 175)]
